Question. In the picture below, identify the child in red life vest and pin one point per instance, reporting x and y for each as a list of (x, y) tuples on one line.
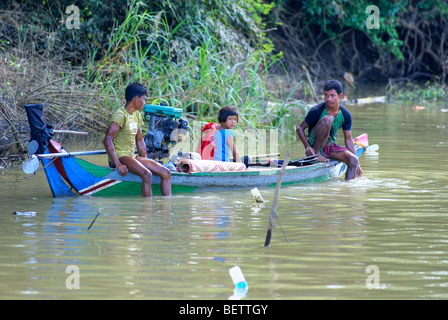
[(217, 142)]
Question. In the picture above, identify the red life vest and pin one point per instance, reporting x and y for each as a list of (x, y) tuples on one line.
[(207, 147)]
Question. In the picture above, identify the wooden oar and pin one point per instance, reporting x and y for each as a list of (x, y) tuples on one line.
[(274, 203)]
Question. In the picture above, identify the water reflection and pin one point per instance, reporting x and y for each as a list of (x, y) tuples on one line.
[(183, 246)]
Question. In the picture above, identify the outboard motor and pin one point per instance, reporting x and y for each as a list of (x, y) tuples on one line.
[(40, 131), (165, 128)]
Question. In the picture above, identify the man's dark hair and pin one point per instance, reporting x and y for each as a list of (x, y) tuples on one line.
[(333, 84), (134, 90), (225, 112)]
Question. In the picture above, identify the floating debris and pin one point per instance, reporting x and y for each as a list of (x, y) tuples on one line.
[(372, 150), (417, 107), (257, 195), (381, 99), (241, 286), (237, 277), (26, 213), (99, 211)]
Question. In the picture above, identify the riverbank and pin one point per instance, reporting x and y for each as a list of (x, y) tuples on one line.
[(80, 93), (280, 112)]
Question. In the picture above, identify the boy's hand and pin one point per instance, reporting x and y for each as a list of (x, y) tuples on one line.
[(122, 169), (309, 151)]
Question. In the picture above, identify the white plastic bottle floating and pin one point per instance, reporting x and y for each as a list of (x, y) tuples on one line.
[(241, 286), (26, 213), (257, 195), (238, 278), (372, 150)]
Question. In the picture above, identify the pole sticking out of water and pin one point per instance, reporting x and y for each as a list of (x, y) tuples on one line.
[(99, 211), (274, 204)]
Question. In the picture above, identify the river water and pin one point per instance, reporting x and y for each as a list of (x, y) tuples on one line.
[(383, 236)]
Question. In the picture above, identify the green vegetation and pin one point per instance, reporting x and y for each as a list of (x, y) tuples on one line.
[(193, 64), (412, 92), (266, 57), (331, 37)]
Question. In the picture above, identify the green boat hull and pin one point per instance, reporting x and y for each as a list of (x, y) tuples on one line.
[(68, 176)]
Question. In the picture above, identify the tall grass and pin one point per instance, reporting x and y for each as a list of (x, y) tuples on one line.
[(200, 79)]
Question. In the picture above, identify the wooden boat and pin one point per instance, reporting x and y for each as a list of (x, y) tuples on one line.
[(70, 175)]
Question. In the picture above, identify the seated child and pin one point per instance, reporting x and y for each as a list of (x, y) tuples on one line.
[(228, 118)]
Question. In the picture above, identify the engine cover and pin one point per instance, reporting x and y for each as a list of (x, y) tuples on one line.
[(163, 130)]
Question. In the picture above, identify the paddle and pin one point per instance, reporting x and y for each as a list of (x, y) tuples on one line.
[(274, 203)]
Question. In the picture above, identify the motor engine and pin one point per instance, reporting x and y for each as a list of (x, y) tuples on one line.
[(165, 129)]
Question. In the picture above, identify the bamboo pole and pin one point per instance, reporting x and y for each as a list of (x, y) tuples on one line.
[(274, 204), (83, 133)]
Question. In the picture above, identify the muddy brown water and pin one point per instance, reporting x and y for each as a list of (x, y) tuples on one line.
[(383, 236)]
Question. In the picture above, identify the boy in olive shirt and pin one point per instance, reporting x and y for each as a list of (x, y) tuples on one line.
[(124, 133)]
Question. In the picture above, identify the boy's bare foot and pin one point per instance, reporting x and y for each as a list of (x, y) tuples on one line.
[(321, 158)]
